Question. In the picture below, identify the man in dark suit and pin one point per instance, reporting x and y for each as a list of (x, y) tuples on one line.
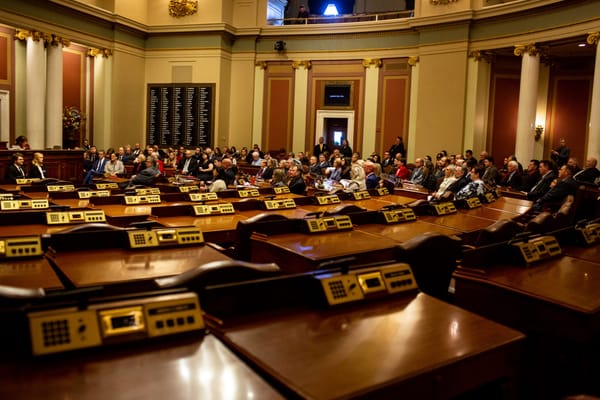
[(296, 182), (543, 184), (532, 176), (372, 180), (320, 147), (97, 168), (16, 170), (590, 173), (561, 154), (188, 165), (512, 178), (565, 186)]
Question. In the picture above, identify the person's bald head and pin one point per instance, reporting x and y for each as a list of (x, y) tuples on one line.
[(591, 162)]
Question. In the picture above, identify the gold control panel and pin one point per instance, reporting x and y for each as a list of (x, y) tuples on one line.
[(281, 189), (187, 189), (147, 191), (382, 191), (61, 188), (363, 283), (444, 208), (248, 193), (66, 329), (22, 246), (325, 224), (473, 202), (6, 196), (213, 209), (361, 195), (107, 185), (489, 197), (328, 199), (590, 232), (279, 204), (27, 181), (538, 248), (140, 238), (143, 199), (399, 215), (203, 196), (34, 204), (86, 194), (74, 217)]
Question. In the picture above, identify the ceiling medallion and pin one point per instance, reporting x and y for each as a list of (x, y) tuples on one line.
[(181, 8)]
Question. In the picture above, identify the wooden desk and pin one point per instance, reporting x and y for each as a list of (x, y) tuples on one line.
[(412, 347), (465, 223), (489, 213), (405, 231), (591, 253), (66, 165), (114, 266), (30, 273), (300, 252), (188, 367), (413, 192), (518, 206)]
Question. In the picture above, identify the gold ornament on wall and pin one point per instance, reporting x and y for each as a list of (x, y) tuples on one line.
[(438, 2), (182, 8)]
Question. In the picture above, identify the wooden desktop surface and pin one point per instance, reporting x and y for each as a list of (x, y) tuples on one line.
[(463, 222), (32, 273), (110, 266), (413, 346), (492, 214), (517, 206), (178, 368), (405, 231), (588, 253), (302, 252)]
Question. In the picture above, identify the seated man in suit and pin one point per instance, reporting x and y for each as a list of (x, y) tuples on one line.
[(148, 175), (547, 175), (188, 165), (565, 186), (16, 170), (296, 182), (512, 179), (590, 173), (372, 180), (97, 168)]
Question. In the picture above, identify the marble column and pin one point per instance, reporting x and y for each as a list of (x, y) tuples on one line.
[(593, 148), (36, 90), (369, 142), (300, 106), (477, 102), (530, 65), (54, 93), (259, 92), (411, 145)]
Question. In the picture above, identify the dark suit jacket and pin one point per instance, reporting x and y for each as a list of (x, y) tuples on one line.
[(512, 180), (541, 187), (34, 172), (557, 194), (529, 180), (317, 150), (297, 185), (587, 175), (372, 181), (192, 167), (12, 173)]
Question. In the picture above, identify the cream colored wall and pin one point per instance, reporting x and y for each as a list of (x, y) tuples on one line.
[(128, 99), (246, 13), (136, 10), (439, 114), (241, 103)]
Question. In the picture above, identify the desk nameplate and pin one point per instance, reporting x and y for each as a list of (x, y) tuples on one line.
[(399, 215), (187, 189), (71, 217), (24, 204), (149, 199), (361, 195), (27, 181), (23, 246), (248, 193), (281, 189), (164, 237), (213, 209), (60, 188), (444, 208), (328, 199), (86, 194), (279, 204), (325, 224), (108, 185), (203, 196), (147, 191)]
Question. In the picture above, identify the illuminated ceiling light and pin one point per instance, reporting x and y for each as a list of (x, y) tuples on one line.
[(581, 45), (331, 10)]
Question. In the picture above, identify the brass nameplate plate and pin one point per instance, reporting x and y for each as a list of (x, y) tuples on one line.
[(73, 217), (24, 204), (147, 191), (328, 199), (187, 189), (27, 181), (109, 185), (590, 232), (61, 188), (444, 208), (281, 190), (399, 215), (203, 196), (382, 191), (361, 195), (248, 193), (473, 202), (279, 204), (213, 209), (364, 283), (325, 224), (149, 199), (164, 237), (86, 194), (489, 197), (24, 246), (6, 196), (72, 328), (538, 248)]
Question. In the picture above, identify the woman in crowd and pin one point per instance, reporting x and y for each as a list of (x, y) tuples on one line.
[(37, 170), (114, 167), (205, 168)]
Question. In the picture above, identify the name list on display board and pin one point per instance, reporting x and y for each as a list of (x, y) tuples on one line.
[(180, 115)]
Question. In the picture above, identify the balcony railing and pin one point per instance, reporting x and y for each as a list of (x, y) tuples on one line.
[(342, 18)]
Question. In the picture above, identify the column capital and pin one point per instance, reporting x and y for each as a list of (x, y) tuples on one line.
[(306, 64), (593, 37), (413, 60), (372, 62), (22, 34), (521, 49), (261, 64), (479, 55), (59, 41), (93, 52)]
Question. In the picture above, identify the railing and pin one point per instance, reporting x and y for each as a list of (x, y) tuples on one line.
[(342, 18)]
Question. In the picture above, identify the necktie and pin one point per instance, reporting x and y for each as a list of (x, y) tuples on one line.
[(20, 171), (41, 172), (186, 165)]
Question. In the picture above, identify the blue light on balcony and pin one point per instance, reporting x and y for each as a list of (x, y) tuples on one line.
[(331, 10)]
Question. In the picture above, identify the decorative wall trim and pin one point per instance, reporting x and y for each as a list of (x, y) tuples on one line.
[(93, 52), (261, 64), (413, 60), (479, 55), (182, 8), (372, 62), (306, 64), (530, 49), (593, 37)]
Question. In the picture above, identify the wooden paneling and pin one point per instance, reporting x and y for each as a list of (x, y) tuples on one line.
[(505, 107), (279, 113), (60, 164), (393, 103)]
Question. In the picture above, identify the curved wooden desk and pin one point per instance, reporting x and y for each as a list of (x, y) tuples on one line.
[(29, 273)]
